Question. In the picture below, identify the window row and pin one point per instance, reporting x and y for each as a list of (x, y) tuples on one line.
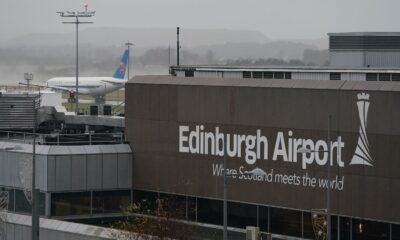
[(87, 203), (273, 220), (16, 200), (382, 77), (268, 75)]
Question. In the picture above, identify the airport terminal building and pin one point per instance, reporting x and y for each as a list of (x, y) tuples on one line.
[(181, 130)]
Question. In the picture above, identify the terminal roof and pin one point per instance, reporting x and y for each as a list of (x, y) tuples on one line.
[(267, 83)]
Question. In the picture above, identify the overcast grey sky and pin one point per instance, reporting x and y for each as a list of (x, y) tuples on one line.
[(277, 19)]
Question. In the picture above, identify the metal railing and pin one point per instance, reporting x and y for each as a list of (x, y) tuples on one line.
[(89, 138)]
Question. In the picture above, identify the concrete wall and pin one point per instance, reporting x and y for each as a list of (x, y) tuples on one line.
[(18, 227)]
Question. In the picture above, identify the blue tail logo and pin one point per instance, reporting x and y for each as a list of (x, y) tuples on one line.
[(120, 71)]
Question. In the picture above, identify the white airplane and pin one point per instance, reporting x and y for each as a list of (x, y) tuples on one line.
[(96, 87)]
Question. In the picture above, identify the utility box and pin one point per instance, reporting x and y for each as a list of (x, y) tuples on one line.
[(252, 233), (94, 110), (107, 110)]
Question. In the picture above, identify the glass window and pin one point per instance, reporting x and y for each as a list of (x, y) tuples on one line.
[(369, 230), (42, 203), (308, 226), (288, 75), (21, 203), (384, 77), (174, 205), (209, 211), (263, 218), (396, 77), (344, 228), (395, 232), (257, 75), (110, 201), (334, 227), (335, 76), (371, 76), (285, 222), (246, 74), (189, 73), (149, 197), (10, 197), (192, 208), (241, 215), (269, 75), (279, 75), (66, 204)]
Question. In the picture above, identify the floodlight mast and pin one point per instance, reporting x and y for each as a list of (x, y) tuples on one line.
[(129, 44), (77, 15)]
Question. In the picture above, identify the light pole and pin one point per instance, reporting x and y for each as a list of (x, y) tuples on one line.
[(225, 204), (77, 15), (328, 191), (178, 46), (28, 77), (225, 210), (35, 195), (129, 44)]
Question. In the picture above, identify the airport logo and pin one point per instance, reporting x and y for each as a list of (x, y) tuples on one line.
[(362, 154), (285, 146), (121, 68)]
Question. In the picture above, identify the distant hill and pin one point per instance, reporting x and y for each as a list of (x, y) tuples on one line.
[(50, 54), (273, 49), (142, 37)]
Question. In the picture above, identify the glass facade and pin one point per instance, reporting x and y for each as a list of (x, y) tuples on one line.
[(395, 232), (68, 204), (273, 220), (279, 221), (368, 230), (110, 201), (286, 222), (241, 215), (209, 211), (11, 197), (22, 205), (86, 203)]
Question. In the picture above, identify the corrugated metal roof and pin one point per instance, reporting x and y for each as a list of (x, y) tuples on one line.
[(64, 150), (272, 83), (379, 34), (215, 68)]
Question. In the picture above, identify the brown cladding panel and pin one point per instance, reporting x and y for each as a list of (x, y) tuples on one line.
[(156, 109)]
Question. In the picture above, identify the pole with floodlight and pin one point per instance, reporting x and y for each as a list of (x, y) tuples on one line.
[(328, 192), (77, 15)]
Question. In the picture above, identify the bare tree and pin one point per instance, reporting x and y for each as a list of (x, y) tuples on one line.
[(163, 218)]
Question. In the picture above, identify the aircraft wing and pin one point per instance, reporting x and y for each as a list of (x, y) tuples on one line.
[(51, 87), (113, 81)]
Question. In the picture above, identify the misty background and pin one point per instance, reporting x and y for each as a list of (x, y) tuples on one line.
[(223, 32)]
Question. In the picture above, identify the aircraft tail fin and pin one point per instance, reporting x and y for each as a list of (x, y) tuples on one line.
[(121, 69)]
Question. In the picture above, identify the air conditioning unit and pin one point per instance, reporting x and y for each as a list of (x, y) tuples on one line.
[(252, 233)]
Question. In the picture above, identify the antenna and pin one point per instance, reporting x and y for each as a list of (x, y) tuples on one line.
[(177, 46)]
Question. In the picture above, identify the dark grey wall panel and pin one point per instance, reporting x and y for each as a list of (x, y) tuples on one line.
[(67, 168), (63, 173), (110, 171), (78, 171), (124, 171), (243, 107), (95, 171), (51, 173)]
